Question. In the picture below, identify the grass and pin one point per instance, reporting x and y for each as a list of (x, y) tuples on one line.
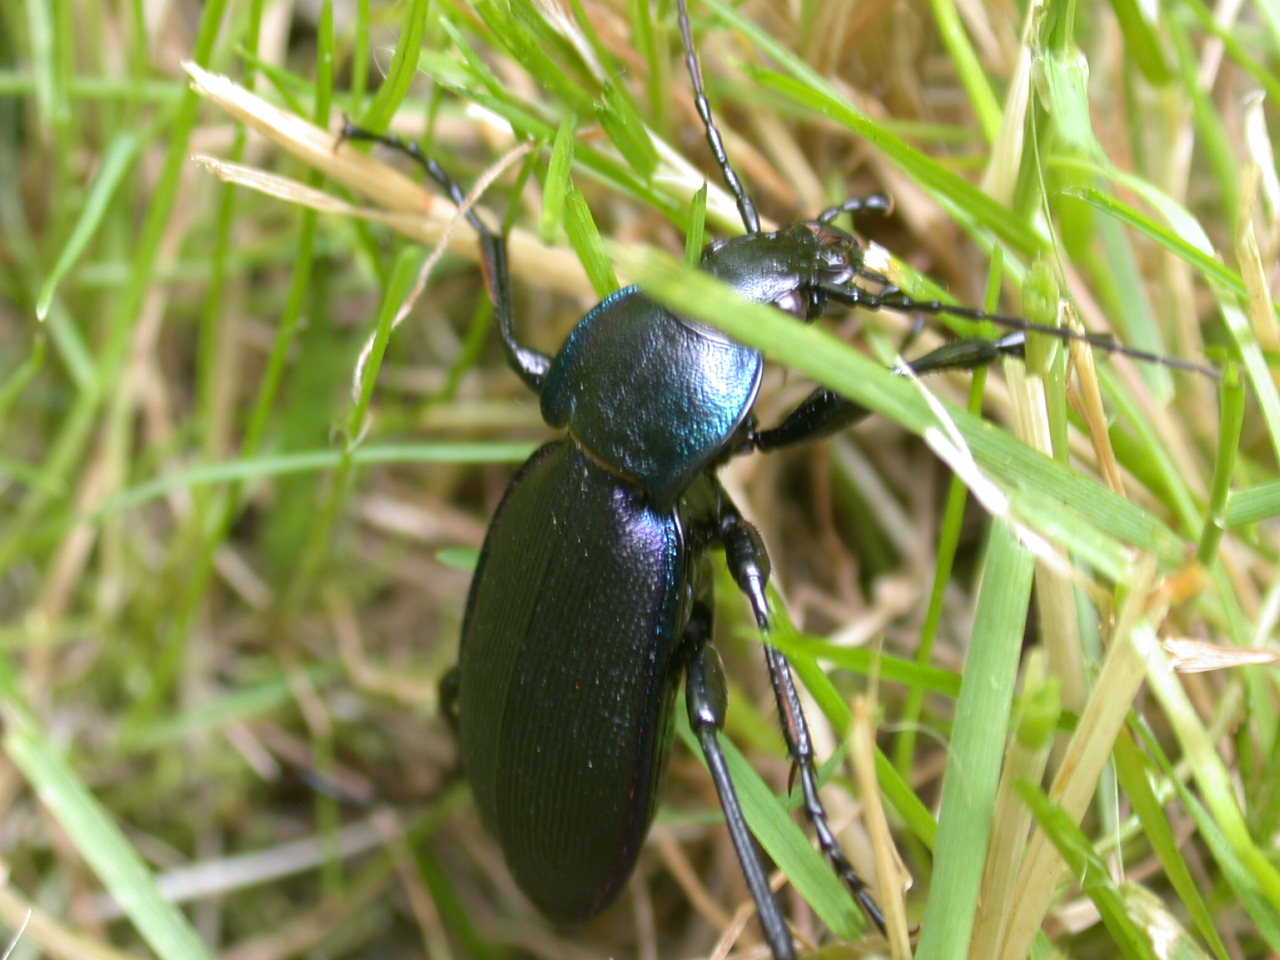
[(241, 489)]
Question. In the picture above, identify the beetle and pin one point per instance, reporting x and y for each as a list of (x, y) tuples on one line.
[(591, 600)]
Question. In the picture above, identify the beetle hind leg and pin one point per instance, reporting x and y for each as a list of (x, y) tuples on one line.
[(705, 698), (447, 696)]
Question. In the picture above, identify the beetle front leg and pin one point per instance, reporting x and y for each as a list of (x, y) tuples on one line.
[(706, 701), (749, 564), (531, 365)]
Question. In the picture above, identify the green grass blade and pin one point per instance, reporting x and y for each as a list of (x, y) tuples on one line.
[(1252, 506), (98, 839), (402, 70), (557, 183), (1133, 776), (784, 841), (1026, 475), (1230, 427), (1212, 776), (117, 162), (265, 466), (1093, 874), (587, 243), (977, 747)]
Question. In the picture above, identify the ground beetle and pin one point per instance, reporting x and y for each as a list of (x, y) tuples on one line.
[(592, 597)]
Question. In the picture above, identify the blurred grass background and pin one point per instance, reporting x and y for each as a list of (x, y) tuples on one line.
[(232, 570)]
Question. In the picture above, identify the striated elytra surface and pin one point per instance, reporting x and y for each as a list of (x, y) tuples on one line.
[(568, 670)]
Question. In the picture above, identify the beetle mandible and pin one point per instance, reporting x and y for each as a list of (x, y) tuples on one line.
[(592, 599)]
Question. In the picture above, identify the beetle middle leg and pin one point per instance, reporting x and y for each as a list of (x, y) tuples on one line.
[(748, 562), (825, 412)]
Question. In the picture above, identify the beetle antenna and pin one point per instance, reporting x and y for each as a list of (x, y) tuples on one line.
[(746, 209), (893, 298)]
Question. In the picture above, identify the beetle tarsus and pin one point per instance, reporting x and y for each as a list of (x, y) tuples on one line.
[(874, 203), (796, 729)]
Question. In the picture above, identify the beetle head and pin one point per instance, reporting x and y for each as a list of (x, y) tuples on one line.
[(834, 257), (789, 268)]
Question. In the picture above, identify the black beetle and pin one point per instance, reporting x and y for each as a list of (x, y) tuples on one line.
[(592, 599)]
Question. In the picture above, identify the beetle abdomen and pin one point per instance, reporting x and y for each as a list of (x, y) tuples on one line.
[(567, 676)]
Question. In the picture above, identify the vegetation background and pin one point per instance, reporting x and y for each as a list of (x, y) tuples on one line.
[(238, 505)]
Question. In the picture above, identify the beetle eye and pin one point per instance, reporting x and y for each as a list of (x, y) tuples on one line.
[(838, 269)]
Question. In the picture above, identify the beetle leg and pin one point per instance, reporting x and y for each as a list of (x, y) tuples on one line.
[(796, 730), (749, 563), (875, 203), (530, 364), (706, 699), (894, 298), (887, 286), (447, 696), (825, 412)]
